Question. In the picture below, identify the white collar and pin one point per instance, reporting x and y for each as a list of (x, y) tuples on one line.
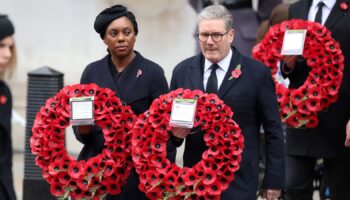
[(224, 64), (328, 3)]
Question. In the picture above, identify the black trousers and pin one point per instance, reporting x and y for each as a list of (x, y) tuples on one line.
[(7, 191), (300, 171)]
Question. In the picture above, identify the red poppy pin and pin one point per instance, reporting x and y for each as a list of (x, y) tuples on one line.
[(139, 73), (344, 6), (236, 72), (3, 99)]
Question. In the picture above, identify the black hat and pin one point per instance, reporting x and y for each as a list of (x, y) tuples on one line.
[(109, 14), (6, 27)]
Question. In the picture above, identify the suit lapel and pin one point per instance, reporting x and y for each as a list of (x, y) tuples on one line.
[(335, 15), (195, 76), (127, 86), (226, 83)]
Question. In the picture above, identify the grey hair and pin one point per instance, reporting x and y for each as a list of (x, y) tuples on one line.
[(216, 12)]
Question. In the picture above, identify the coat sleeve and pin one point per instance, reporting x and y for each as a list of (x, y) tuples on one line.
[(274, 139), (5, 125)]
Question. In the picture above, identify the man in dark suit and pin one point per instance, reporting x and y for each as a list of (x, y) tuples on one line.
[(246, 21), (251, 96), (326, 140)]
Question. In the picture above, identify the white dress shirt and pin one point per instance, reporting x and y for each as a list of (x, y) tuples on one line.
[(325, 10), (224, 64)]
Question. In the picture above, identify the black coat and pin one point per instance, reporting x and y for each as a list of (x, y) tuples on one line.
[(138, 92), (327, 139), (6, 179), (253, 100)]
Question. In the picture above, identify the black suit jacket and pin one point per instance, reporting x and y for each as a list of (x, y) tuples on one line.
[(138, 92), (6, 179), (253, 101), (327, 139)]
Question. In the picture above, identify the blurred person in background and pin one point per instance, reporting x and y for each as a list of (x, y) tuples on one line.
[(7, 65), (278, 15)]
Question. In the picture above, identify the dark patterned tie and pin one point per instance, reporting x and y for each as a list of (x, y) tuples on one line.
[(318, 17), (212, 84)]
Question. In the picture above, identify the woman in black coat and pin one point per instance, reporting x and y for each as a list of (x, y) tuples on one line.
[(136, 80), (7, 63)]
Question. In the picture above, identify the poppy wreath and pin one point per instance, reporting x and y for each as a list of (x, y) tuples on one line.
[(159, 178), (299, 107), (99, 175)]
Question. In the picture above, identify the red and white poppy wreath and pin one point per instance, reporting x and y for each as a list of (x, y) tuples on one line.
[(299, 107), (102, 174), (159, 178)]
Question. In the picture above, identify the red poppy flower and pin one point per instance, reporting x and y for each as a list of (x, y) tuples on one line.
[(215, 189), (75, 170), (77, 193), (313, 105), (236, 72), (64, 178), (74, 90), (312, 121), (211, 139), (57, 189), (332, 89), (224, 183), (189, 178), (139, 73), (90, 90), (297, 96), (209, 176), (294, 120), (170, 179), (315, 93), (109, 168), (55, 168), (201, 189), (83, 183), (344, 6), (213, 151), (3, 99), (303, 109)]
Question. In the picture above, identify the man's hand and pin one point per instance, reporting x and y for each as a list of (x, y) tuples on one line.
[(289, 61), (84, 129), (347, 138), (270, 194), (180, 132)]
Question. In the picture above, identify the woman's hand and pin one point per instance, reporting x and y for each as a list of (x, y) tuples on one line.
[(85, 129), (180, 132)]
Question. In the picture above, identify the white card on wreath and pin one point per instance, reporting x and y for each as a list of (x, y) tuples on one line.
[(182, 113), (293, 42), (82, 110)]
